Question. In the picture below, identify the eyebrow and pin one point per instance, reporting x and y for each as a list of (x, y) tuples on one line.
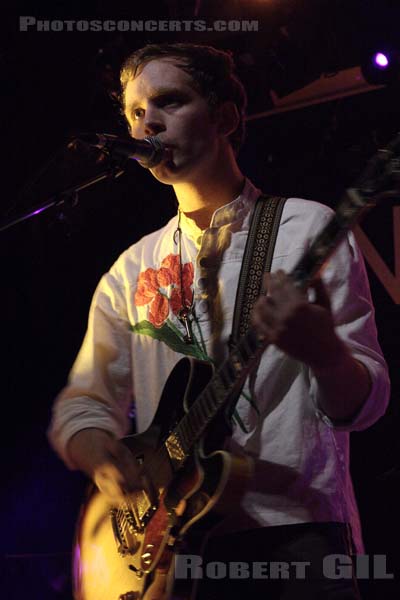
[(158, 93)]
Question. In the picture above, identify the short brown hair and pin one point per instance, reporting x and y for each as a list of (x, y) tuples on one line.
[(212, 72)]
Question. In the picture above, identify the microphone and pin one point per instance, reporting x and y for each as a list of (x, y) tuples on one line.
[(149, 152)]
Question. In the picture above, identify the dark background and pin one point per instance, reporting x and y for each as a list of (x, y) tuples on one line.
[(54, 84)]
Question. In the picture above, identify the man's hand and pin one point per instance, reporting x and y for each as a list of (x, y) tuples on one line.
[(303, 330), (107, 461)]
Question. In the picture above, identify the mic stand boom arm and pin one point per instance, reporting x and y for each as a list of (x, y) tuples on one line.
[(112, 172)]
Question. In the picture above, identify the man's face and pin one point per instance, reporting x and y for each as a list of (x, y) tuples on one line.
[(161, 101)]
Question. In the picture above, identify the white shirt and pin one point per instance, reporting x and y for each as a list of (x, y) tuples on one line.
[(288, 433)]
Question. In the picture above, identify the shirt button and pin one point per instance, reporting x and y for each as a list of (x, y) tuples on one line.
[(203, 306), (202, 283), (209, 262)]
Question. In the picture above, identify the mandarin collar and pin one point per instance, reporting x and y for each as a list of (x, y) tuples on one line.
[(225, 215)]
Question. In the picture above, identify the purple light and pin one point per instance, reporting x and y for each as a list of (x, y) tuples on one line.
[(381, 60)]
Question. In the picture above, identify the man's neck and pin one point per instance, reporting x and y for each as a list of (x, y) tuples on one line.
[(199, 201)]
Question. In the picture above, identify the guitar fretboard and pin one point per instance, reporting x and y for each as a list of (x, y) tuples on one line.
[(222, 387)]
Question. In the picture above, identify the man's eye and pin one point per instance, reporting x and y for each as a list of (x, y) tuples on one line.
[(138, 113)]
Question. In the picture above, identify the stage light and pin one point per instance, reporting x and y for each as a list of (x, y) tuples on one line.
[(382, 67), (381, 60)]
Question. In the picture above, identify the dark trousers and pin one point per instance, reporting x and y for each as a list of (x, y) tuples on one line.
[(290, 562)]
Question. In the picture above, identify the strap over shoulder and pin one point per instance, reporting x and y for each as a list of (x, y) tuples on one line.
[(257, 259)]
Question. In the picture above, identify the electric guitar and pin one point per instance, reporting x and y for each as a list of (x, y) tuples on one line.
[(126, 552)]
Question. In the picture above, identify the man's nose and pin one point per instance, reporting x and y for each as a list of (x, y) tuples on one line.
[(153, 122)]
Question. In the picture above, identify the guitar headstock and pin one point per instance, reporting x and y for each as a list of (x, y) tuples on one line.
[(381, 175), (379, 180)]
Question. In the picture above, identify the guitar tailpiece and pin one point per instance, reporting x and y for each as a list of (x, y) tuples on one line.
[(130, 596)]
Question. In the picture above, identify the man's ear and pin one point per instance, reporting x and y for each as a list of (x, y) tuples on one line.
[(227, 118)]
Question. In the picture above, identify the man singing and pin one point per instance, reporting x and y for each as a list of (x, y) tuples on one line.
[(173, 293)]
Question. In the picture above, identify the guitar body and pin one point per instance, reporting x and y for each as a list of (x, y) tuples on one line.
[(116, 556)]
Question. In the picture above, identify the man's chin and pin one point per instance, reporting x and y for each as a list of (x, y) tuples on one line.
[(167, 172)]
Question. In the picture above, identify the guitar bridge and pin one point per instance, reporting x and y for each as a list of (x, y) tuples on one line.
[(124, 532)]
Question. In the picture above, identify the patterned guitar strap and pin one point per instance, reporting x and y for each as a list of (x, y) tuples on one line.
[(257, 260)]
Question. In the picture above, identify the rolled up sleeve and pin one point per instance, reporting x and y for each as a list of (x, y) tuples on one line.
[(99, 389), (347, 283)]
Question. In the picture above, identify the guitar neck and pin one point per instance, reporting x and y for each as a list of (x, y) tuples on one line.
[(347, 214)]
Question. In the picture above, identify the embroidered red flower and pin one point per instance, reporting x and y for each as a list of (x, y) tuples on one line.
[(176, 300), (148, 292), (169, 272), (151, 280), (159, 310), (147, 287)]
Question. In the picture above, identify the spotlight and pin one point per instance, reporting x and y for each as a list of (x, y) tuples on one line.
[(382, 67), (381, 60)]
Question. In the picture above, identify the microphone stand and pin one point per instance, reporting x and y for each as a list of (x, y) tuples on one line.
[(70, 194)]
